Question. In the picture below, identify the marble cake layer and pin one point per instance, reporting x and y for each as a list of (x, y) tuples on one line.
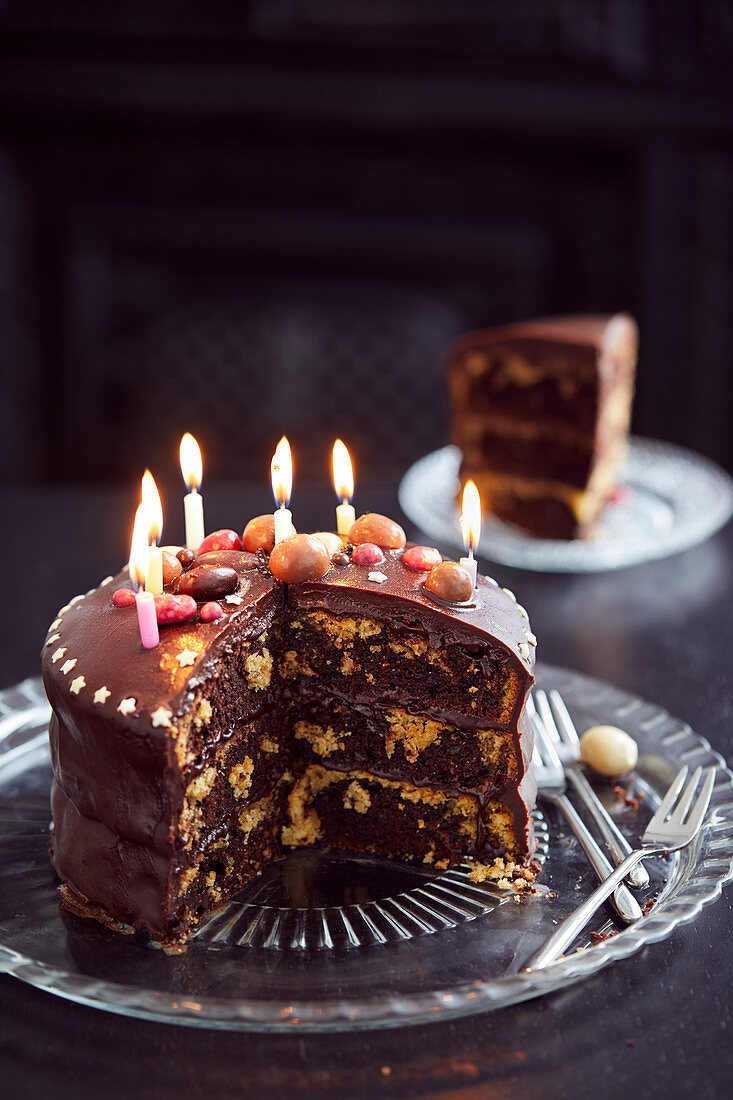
[(541, 412), (343, 712)]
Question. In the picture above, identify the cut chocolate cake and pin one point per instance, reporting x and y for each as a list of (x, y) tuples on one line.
[(360, 710), (541, 413)]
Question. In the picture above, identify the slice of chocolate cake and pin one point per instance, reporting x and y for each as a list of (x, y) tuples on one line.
[(541, 412), (358, 709)]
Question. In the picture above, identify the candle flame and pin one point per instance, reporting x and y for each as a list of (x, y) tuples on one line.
[(152, 507), (139, 548), (343, 474), (281, 471), (471, 517), (191, 464)]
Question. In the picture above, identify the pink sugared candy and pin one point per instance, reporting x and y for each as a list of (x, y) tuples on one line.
[(421, 558), (367, 553), (220, 540), (211, 611), (123, 597), (174, 609)]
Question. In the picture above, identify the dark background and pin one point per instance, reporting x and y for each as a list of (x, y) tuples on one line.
[(241, 220)]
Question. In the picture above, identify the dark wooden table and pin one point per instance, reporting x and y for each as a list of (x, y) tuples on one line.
[(657, 1024)]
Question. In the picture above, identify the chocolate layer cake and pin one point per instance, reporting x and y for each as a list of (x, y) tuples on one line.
[(357, 711), (541, 412)]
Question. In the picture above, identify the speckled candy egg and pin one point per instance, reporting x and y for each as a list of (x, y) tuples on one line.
[(608, 751), (299, 558), (259, 534), (384, 532), (220, 540), (449, 581), (172, 568)]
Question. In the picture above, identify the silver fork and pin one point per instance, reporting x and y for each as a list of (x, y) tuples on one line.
[(550, 776), (672, 827), (560, 727)]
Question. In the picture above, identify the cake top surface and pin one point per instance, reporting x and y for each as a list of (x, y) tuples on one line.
[(581, 334), (93, 655)]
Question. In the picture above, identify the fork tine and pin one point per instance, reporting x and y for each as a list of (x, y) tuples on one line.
[(669, 799), (680, 810), (563, 721), (703, 800), (546, 746), (547, 718)]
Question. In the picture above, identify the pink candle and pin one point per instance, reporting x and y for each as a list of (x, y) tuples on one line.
[(147, 620), (145, 601)]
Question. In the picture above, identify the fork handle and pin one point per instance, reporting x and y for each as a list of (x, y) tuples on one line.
[(617, 843), (554, 946), (623, 900)]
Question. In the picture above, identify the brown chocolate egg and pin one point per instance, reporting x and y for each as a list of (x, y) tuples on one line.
[(208, 582), (259, 534), (233, 559), (186, 557), (332, 542), (449, 581), (172, 568), (299, 558), (384, 532)]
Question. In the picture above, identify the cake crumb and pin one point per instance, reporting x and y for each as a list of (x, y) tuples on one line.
[(357, 798), (258, 667), (240, 777), (269, 746)]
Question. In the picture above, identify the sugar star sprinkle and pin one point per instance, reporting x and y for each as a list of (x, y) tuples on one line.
[(78, 684), (377, 577), (68, 665), (531, 638), (233, 598), (186, 657), (58, 654), (127, 706), (53, 638), (101, 695), (523, 650), (161, 716)]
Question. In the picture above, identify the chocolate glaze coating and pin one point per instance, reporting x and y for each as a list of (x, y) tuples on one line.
[(118, 786)]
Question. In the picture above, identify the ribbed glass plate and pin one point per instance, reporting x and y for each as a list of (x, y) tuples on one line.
[(327, 941), (671, 499)]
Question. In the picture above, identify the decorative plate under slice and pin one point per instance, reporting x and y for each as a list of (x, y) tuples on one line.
[(673, 499), (323, 940)]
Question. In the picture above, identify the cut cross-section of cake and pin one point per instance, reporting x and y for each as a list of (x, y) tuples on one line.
[(541, 412), (369, 716)]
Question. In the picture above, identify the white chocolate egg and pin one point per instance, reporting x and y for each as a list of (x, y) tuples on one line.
[(608, 751)]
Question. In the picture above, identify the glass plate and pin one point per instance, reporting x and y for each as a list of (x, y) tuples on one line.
[(673, 499), (327, 941)]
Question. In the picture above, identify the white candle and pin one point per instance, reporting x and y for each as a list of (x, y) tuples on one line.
[(343, 483), (471, 566), (154, 571), (193, 511), (281, 473), (470, 528), (193, 502), (283, 524), (153, 511), (345, 518)]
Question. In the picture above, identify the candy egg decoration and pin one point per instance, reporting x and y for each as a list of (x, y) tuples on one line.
[(608, 751), (378, 529), (299, 558)]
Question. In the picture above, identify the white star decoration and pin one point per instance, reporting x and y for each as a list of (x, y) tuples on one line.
[(377, 577), (101, 695), (58, 654), (68, 665), (53, 638), (233, 599), (523, 650), (127, 706), (78, 684), (161, 716), (531, 638), (55, 624), (186, 657)]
